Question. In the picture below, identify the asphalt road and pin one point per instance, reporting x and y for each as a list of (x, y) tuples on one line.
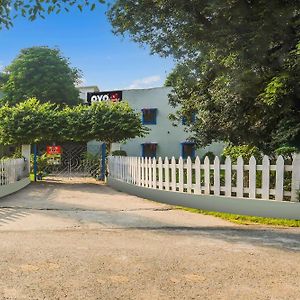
[(83, 240)]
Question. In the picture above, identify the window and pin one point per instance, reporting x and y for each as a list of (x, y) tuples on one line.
[(187, 150), (149, 116), (149, 150)]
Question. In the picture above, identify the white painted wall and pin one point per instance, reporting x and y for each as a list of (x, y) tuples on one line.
[(163, 133)]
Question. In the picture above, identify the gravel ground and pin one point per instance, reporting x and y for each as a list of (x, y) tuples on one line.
[(83, 240)]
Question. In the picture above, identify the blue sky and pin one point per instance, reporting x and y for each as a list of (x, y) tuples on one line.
[(106, 60)]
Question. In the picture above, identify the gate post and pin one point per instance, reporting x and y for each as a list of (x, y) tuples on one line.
[(103, 162), (26, 151)]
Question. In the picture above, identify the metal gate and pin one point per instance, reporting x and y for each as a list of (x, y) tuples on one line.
[(76, 160)]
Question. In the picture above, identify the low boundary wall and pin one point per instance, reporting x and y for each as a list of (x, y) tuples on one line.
[(241, 206), (13, 187)]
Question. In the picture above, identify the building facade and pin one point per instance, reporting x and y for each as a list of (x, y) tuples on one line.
[(164, 139)]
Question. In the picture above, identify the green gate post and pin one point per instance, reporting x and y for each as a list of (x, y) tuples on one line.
[(103, 162)]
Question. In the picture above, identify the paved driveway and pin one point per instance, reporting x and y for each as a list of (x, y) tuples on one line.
[(83, 240)]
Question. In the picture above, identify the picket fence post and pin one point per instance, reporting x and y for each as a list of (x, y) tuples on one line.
[(240, 177), (197, 176), (138, 171), (206, 176), (252, 177), (217, 183), (154, 182), (173, 174), (167, 174), (189, 175), (146, 172), (160, 174), (228, 182), (265, 183), (279, 178), (180, 170)]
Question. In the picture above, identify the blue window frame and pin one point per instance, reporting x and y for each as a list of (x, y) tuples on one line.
[(187, 150), (149, 149), (185, 119), (149, 116)]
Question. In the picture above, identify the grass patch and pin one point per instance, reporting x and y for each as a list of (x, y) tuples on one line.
[(245, 220)]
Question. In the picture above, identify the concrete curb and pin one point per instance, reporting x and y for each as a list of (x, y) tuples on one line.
[(241, 206), (13, 187)]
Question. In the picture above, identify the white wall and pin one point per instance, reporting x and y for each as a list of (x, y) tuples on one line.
[(163, 133)]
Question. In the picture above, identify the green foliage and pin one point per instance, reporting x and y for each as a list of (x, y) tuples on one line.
[(42, 164), (287, 152), (119, 153), (10, 9), (245, 151), (42, 73), (210, 155), (32, 122), (238, 65), (28, 122), (103, 121)]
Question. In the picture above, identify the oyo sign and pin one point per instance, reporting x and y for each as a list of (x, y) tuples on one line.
[(114, 96)]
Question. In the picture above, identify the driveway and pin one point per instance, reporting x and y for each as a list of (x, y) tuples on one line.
[(84, 240)]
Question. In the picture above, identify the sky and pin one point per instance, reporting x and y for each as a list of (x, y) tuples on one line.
[(108, 61)]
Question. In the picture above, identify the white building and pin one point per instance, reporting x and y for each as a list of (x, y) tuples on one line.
[(164, 139)]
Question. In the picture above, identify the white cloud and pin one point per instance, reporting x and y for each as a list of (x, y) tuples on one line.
[(146, 82)]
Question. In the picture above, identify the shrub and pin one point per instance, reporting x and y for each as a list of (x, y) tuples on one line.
[(286, 152), (245, 151), (210, 155), (119, 153)]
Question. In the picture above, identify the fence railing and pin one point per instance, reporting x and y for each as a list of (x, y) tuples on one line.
[(279, 181), (12, 170)]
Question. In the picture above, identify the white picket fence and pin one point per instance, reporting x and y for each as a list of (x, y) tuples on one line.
[(12, 170), (279, 182)]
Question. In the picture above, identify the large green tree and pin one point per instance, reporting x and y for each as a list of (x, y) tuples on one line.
[(238, 64), (43, 73), (32, 9)]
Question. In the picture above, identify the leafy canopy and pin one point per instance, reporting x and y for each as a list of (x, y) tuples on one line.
[(32, 9), (33, 122), (42, 73), (238, 64)]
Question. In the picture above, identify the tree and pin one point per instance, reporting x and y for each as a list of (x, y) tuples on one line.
[(238, 64), (10, 9), (42, 73), (28, 122), (32, 122), (103, 121)]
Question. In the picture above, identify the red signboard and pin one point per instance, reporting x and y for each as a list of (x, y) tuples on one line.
[(53, 150)]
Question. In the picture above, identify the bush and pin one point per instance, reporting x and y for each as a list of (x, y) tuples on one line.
[(286, 152), (42, 164), (119, 153), (210, 155), (245, 151)]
